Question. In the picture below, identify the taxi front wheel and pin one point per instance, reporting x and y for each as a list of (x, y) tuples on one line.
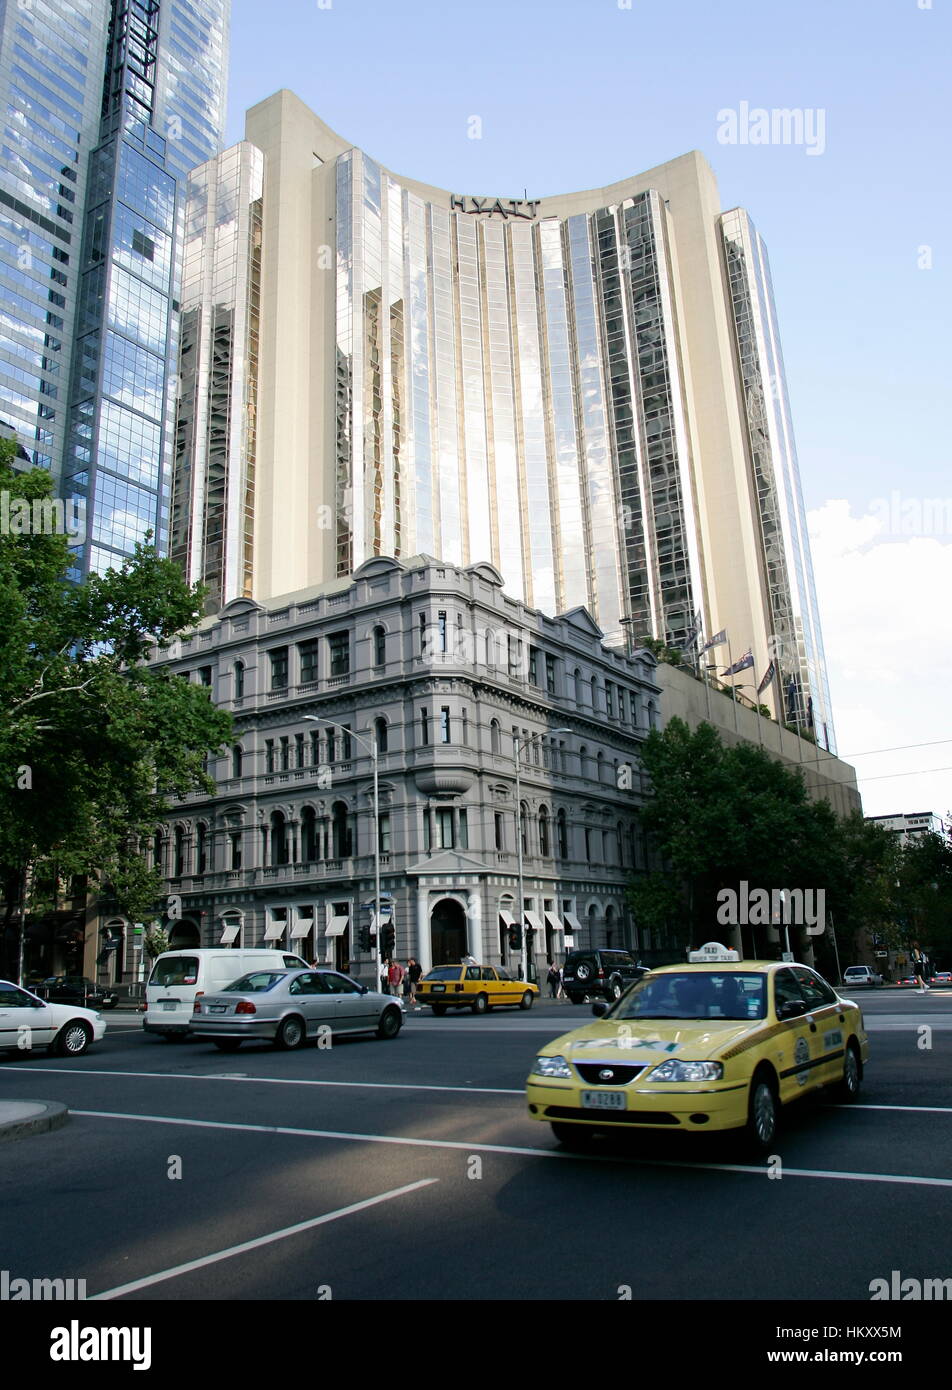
[(763, 1113)]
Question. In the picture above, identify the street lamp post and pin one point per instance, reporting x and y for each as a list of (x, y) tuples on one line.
[(517, 746), (372, 745)]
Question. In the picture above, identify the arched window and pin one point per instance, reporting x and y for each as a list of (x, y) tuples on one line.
[(561, 836), (594, 694), (494, 736), (201, 848), (524, 826), (158, 858), (342, 834), (577, 677), (236, 760), (308, 835), (178, 864), (620, 842), (544, 846), (380, 734), (279, 839), (598, 765), (583, 761), (239, 680), (380, 646), (651, 714)]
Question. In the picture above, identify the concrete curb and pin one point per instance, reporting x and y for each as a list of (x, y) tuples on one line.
[(50, 1115)]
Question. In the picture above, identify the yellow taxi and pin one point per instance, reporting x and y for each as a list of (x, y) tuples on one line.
[(715, 1044), (475, 987)]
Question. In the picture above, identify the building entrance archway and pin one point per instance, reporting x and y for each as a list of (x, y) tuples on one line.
[(447, 932)]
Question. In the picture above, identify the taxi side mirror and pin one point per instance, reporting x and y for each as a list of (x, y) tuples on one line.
[(599, 1009), (792, 1008)]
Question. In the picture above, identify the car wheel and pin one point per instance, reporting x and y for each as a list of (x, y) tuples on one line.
[(763, 1113), (227, 1044), (575, 1137), (526, 1001), (848, 1087), (391, 1021), (291, 1033), (438, 1009), (615, 990), (479, 1004), (73, 1039)]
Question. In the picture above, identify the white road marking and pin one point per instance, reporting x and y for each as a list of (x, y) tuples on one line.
[(256, 1244), (273, 1080), (899, 1179)]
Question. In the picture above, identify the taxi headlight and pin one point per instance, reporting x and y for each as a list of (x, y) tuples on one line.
[(687, 1071), (551, 1066)]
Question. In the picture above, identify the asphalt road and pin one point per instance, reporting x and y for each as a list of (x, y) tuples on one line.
[(411, 1170)]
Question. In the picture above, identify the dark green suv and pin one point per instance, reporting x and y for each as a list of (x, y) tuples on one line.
[(599, 974)]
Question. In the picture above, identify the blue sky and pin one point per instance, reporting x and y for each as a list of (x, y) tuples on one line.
[(576, 93)]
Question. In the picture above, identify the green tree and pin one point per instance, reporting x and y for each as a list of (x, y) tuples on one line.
[(925, 893), (671, 656), (93, 743), (719, 816)]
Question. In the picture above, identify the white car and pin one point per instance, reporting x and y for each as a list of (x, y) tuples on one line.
[(28, 1022), (861, 975)]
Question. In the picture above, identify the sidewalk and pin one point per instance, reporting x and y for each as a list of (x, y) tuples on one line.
[(19, 1118)]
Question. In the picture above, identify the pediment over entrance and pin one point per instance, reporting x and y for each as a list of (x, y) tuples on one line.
[(446, 864)]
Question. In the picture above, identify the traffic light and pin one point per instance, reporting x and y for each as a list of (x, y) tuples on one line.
[(363, 938), (514, 943), (388, 941)]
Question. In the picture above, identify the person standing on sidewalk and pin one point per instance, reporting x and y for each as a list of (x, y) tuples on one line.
[(414, 972), (395, 977), (554, 978)]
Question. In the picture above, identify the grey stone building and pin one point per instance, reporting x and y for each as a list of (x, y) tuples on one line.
[(442, 672)]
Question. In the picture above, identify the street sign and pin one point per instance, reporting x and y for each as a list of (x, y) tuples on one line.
[(787, 955)]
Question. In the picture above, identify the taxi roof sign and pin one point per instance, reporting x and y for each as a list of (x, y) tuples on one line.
[(711, 951)]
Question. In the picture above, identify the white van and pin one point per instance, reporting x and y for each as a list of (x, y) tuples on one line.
[(178, 977)]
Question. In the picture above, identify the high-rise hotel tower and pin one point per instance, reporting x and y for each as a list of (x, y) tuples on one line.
[(585, 390), (105, 106)]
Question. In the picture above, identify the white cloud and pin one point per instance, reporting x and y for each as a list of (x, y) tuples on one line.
[(884, 608)]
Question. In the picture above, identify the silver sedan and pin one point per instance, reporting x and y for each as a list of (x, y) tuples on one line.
[(287, 1007)]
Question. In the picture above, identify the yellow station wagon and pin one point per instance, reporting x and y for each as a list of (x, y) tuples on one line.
[(475, 987), (715, 1044)]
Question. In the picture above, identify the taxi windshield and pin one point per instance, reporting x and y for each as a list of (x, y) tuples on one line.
[(698, 994)]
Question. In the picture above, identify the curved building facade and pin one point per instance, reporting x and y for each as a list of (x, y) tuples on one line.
[(570, 388)]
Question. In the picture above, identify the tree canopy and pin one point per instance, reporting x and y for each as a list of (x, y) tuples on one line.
[(93, 743)]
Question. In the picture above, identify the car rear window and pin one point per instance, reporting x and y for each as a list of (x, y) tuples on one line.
[(443, 972), (256, 983), (178, 970)]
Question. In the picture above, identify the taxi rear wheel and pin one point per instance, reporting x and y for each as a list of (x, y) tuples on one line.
[(480, 1004), (438, 1009), (848, 1087), (763, 1113)]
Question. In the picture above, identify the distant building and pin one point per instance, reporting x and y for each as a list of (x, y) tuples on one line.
[(910, 826), (439, 669)]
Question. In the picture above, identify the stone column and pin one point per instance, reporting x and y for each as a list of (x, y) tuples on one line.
[(424, 951), (474, 925)]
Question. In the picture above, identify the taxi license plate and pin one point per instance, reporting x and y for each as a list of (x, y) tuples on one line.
[(438, 989), (604, 1100), (170, 1003)]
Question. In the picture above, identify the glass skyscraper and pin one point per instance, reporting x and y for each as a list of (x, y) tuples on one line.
[(106, 106), (584, 390)]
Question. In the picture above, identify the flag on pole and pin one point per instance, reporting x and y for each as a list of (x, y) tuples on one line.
[(741, 664), (717, 640), (769, 674)]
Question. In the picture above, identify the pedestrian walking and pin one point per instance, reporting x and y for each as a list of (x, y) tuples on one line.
[(920, 965), (385, 977), (414, 972), (554, 978)]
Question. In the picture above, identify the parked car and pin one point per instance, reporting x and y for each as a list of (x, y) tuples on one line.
[(28, 1022), (861, 975), (605, 974), (77, 989), (907, 980), (943, 977), (286, 1007)]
